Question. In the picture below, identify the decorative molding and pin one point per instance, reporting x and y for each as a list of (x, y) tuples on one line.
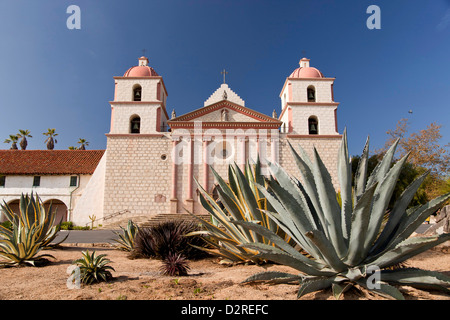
[(219, 105)]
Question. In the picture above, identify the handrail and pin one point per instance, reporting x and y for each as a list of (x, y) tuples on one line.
[(111, 215)]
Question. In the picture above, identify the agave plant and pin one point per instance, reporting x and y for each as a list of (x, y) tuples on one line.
[(33, 213), (347, 245), (33, 229), (20, 247), (126, 239), (93, 268), (240, 200)]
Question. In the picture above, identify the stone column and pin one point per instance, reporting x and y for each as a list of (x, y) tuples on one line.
[(190, 176), (242, 159), (205, 165), (173, 197)]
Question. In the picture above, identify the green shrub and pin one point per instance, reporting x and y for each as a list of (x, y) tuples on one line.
[(66, 225)]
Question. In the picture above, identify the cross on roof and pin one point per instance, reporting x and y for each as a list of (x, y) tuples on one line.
[(224, 72), (143, 52)]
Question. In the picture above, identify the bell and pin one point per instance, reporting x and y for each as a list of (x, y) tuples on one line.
[(135, 126), (313, 127), (137, 94), (310, 95)]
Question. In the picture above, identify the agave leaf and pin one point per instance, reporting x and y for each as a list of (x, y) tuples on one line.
[(327, 250), (248, 196), (338, 290), (361, 173), (313, 285), (383, 289), (275, 239), (360, 222), (285, 220), (345, 182), (382, 197), (273, 277), (286, 185), (417, 278), (397, 213), (304, 165), (416, 218), (330, 206), (382, 168), (407, 249), (267, 249), (288, 260)]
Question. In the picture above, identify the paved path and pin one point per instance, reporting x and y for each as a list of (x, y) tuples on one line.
[(87, 236), (108, 236)]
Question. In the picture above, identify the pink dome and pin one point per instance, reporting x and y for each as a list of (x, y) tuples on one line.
[(306, 72), (141, 71)]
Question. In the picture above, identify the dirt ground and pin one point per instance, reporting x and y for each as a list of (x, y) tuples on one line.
[(140, 279)]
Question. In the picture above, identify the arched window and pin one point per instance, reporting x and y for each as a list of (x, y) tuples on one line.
[(311, 92), (135, 124), (313, 125), (137, 92)]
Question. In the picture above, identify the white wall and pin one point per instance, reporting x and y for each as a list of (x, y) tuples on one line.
[(89, 201)]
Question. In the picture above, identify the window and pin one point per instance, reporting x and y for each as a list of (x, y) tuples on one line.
[(36, 181), (2, 180), (311, 91), (73, 181), (313, 125), (135, 124), (137, 93)]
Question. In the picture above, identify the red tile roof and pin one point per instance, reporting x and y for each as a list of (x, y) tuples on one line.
[(42, 162)]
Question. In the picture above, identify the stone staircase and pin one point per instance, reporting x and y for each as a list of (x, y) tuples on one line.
[(155, 220), (146, 221)]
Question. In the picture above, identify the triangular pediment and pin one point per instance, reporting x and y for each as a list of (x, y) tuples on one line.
[(225, 111)]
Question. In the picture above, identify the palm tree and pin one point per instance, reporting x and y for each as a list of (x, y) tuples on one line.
[(50, 141), (83, 143), (12, 139), (72, 148), (24, 134)]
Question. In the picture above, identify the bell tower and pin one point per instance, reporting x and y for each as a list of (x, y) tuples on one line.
[(307, 103), (139, 105)]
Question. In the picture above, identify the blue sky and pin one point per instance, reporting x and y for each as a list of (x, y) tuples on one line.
[(53, 77)]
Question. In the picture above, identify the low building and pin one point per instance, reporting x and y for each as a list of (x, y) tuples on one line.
[(57, 176)]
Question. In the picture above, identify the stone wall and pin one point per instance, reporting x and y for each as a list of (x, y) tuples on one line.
[(137, 175)]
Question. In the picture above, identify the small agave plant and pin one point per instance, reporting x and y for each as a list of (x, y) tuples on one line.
[(93, 268), (126, 239), (347, 245)]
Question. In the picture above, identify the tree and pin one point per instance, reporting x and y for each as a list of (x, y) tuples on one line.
[(50, 141), (72, 148), (83, 143), (24, 134), (13, 140), (423, 146), (425, 153)]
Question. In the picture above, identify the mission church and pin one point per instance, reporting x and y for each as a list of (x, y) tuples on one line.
[(152, 159)]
